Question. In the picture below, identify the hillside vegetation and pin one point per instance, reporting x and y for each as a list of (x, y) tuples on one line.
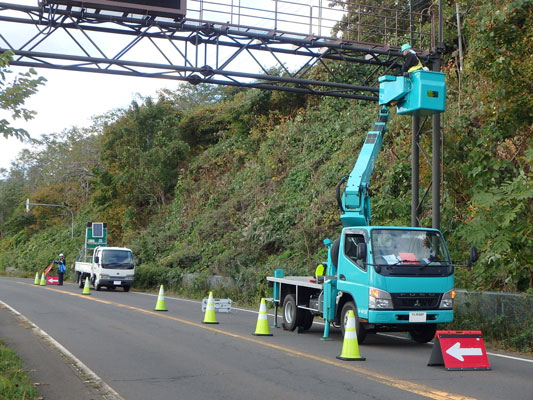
[(231, 182)]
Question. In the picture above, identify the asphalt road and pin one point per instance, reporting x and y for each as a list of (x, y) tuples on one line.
[(143, 354)]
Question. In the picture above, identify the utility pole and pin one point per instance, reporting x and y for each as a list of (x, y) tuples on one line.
[(436, 136)]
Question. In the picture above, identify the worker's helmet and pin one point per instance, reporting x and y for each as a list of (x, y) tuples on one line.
[(405, 47), (61, 255)]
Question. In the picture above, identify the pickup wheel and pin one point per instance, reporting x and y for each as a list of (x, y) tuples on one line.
[(292, 315), (93, 281), (361, 332), (423, 333), (81, 282), (126, 288)]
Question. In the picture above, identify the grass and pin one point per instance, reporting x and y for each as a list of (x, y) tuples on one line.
[(14, 381)]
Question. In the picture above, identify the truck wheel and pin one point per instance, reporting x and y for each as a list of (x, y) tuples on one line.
[(307, 320), (81, 282), (96, 287), (292, 315), (361, 332), (126, 288), (423, 333)]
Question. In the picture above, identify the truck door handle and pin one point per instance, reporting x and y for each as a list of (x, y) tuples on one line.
[(342, 277)]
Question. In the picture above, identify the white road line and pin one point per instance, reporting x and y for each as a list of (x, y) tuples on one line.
[(510, 357), (109, 392), (488, 353)]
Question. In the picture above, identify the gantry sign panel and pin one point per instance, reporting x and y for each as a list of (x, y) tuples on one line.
[(164, 8)]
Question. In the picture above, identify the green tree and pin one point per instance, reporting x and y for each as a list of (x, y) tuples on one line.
[(190, 97), (142, 154), (489, 147), (14, 94)]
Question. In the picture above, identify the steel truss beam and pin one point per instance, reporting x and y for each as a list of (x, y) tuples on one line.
[(194, 51)]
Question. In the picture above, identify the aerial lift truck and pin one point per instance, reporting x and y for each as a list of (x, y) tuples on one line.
[(393, 278)]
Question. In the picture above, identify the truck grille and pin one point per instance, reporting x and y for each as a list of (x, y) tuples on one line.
[(415, 301)]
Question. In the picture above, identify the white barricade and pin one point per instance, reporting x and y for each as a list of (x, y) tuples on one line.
[(221, 305)]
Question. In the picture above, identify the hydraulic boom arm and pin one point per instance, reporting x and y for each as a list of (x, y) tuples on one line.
[(421, 93), (355, 200)]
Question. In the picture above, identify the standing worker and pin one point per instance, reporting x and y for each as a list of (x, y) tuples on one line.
[(61, 268), (412, 62)]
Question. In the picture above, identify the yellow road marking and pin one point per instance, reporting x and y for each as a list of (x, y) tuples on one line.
[(421, 390)]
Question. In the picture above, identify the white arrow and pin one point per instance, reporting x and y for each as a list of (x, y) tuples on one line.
[(457, 352)]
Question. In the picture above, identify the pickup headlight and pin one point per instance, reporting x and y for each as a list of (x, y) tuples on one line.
[(102, 276), (447, 299), (379, 299)]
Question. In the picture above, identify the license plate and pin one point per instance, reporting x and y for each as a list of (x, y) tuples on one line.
[(417, 317), (117, 282)]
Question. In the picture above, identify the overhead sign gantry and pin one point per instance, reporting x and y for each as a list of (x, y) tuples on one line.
[(253, 44), (263, 44)]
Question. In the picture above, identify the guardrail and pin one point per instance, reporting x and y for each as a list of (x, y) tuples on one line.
[(503, 317)]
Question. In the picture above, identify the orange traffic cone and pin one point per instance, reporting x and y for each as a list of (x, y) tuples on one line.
[(210, 317), (350, 346), (262, 329)]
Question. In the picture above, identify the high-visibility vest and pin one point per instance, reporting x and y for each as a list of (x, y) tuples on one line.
[(416, 67)]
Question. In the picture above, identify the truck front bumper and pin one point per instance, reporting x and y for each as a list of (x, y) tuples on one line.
[(115, 282), (409, 317)]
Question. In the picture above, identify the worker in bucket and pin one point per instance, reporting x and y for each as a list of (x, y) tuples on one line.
[(61, 267), (412, 62)]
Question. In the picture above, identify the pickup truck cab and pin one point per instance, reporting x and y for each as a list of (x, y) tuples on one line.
[(110, 267)]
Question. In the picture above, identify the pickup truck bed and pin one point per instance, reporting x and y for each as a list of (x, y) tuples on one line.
[(80, 266)]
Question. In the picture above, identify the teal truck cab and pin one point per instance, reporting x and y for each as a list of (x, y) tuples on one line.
[(393, 278)]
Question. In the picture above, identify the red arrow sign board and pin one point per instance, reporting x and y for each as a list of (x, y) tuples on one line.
[(52, 280), (459, 350)]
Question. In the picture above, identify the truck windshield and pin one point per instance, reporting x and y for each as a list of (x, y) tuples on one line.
[(403, 247), (117, 259)]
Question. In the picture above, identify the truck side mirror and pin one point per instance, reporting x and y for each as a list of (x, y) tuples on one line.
[(473, 257), (96, 259), (361, 251), (139, 260)]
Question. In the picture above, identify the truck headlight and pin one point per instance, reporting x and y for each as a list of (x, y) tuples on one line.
[(379, 299), (102, 276), (447, 299)]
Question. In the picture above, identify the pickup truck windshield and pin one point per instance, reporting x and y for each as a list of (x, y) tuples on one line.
[(396, 249), (117, 259)]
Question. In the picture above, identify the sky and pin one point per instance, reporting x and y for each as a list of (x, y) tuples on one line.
[(72, 98)]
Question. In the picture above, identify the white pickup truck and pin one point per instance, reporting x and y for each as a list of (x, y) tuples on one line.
[(110, 267)]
